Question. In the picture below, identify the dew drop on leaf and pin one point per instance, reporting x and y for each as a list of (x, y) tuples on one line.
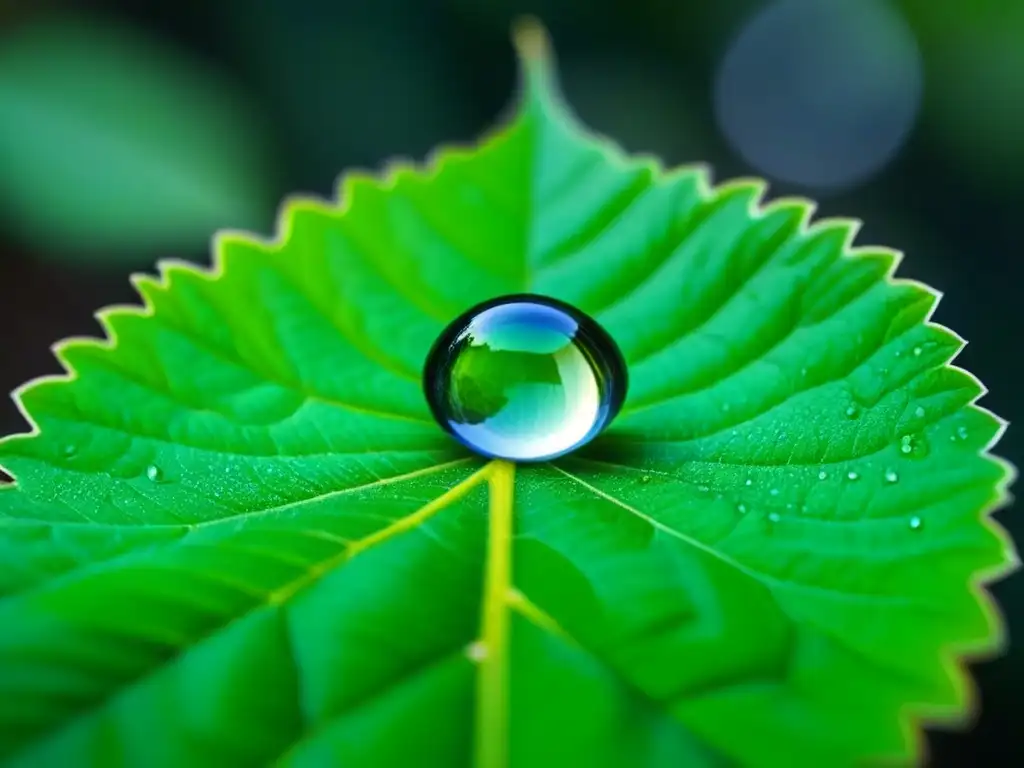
[(774, 491), (69, 450), (773, 517), (917, 351), (852, 475), (822, 475), (741, 508), (919, 412), (915, 523), (645, 479), (891, 476), (476, 651), (154, 473), (852, 412), (961, 432), (524, 378), (748, 482), (914, 446)]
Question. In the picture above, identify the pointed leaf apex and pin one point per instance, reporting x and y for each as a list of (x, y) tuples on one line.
[(536, 61)]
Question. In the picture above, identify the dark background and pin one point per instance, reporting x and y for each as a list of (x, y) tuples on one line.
[(303, 89)]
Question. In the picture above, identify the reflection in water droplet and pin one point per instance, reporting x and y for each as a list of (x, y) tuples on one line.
[(891, 476), (525, 378), (915, 523), (154, 473), (852, 475)]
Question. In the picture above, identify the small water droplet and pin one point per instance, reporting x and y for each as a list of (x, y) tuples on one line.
[(919, 412), (748, 482), (774, 491), (789, 505), (645, 479), (476, 651), (852, 475), (69, 451), (741, 508), (773, 517), (703, 488), (917, 351), (961, 432), (915, 523), (852, 412), (822, 475), (154, 473), (524, 378), (891, 476), (899, 353)]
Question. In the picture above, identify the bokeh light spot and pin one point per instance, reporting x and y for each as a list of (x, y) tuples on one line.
[(822, 94)]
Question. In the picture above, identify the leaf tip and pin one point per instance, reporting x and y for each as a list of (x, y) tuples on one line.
[(536, 59), (531, 40)]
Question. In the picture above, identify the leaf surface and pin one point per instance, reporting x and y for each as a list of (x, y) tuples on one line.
[(237, 537)]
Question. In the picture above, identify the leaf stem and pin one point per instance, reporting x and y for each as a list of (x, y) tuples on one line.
[(492, 679)]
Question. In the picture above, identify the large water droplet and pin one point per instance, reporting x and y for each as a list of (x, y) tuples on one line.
[(525, 378), (154, 473)]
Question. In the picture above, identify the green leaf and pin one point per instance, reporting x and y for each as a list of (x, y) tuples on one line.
[(113, 143), (237, 538)]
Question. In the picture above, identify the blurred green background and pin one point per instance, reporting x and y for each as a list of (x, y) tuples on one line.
[(130, 131)]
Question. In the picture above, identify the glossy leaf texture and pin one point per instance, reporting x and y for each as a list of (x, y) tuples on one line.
[(237, 538)]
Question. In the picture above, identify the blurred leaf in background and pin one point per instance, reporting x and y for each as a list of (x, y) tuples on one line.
[(114, 146), (976, 52)]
